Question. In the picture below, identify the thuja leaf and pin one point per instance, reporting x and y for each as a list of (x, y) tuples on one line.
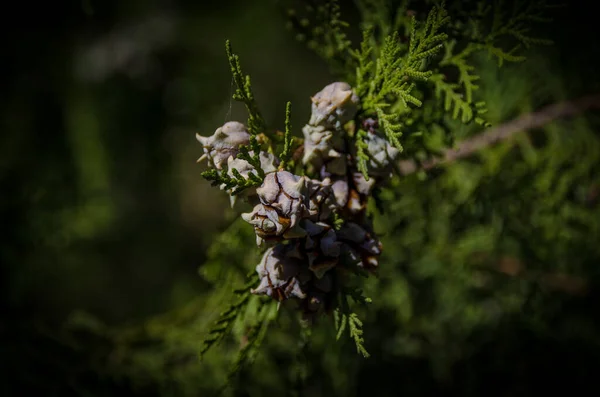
[(288, 141), (356, 332), (465, 70), (338, 221), (267, 313), (515, 24), (340, 323), (365, 63), (236, 184), (362, 155), (391, 126), (227, 318), (345, 318), (254, 158), (357, 295), (453, 99), (244, 94), (397, 69), (323, 30)]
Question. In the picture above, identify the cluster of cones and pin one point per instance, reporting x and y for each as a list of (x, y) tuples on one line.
[(314, 228)]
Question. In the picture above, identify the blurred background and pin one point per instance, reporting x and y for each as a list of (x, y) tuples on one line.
[(488, 284)]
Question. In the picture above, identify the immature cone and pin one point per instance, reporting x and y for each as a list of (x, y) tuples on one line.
[(282, 196), (320, 199), (278, 271), (362, 185), (334, 106), (324, 148), (379, 166), (322, 247), (224, 143), (317, 297), (381, 155), (340, 192), (295, 214), (361, 246)]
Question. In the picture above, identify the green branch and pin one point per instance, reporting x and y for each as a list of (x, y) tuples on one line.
[(324, 33), (288, 141), (345, 318), (397, 69), (266, 314), (243, 93), (225, 322)]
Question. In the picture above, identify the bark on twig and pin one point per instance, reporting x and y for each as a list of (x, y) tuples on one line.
[(553, 281), (507, 130)]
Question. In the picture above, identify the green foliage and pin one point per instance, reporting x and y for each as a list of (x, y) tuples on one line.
[(256, 125), (344, 317), (247, 311), (288, 142), (338, 221), (484, 28), (458, 96), (226, 320), (465, 71), (508, 260), (384, 17), (361, 152), (401, 84), (356, 332), (391, 74), (397, 67), (229, 246), (365, 64), (258, 326), (492, 24), (319, 24), (243, 93), (386, 85), (236, 184), (253, 159)]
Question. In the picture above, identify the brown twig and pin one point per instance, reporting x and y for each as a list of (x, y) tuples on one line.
[(507, 130), (554, 281)]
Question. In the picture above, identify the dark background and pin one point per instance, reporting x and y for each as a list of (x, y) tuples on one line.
[(103, 208)]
